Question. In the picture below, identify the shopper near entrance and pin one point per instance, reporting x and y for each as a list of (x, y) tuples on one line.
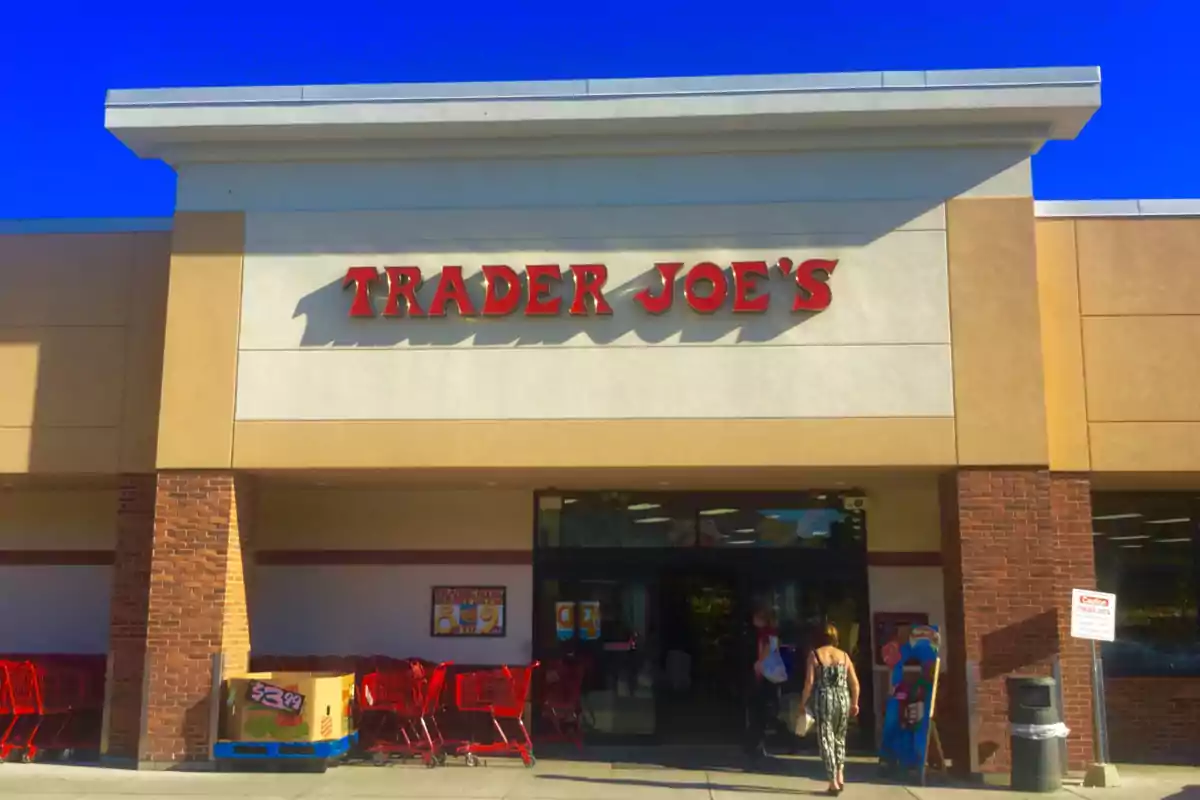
[(831, 679), (762, 690)]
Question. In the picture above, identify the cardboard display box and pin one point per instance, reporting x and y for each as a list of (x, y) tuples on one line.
[(288, 707)]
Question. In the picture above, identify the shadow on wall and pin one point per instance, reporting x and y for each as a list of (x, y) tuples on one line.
[(1019, 647), (81, 331)]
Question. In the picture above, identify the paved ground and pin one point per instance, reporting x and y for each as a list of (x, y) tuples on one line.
[(548, 781)]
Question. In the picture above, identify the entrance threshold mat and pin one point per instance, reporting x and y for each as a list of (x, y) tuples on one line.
[(332, 748)]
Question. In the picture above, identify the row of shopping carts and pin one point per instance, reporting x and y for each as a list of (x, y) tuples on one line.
[(51, 706), (400, 704)]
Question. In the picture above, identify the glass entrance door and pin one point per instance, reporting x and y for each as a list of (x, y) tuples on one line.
[(655, 594), (609, 625)]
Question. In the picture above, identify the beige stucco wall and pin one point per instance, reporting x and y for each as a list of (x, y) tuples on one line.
[(1121, 311), (81, 326), (54, 584), (335, 518)]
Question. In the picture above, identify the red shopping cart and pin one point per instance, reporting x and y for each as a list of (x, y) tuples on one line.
[(71, 696), (562, 702), (51, 705), (500, 693), (398, 712), (22, 706)]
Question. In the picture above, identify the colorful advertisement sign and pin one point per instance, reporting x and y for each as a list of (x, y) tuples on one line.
[(589, 620), (468, 611), (913, 659), (564, 621)]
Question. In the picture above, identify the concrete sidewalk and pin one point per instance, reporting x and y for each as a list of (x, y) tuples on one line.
[(550, 780)]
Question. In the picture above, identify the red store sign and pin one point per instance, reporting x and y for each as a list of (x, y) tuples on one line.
[(706, 289)]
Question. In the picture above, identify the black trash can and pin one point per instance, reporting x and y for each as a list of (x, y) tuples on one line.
[(1036, 725)]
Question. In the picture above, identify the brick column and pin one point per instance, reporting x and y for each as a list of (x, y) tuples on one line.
[(128, 614), (185, 578), (1016, 541)]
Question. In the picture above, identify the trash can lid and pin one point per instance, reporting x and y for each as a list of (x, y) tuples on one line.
[(1031, 680)]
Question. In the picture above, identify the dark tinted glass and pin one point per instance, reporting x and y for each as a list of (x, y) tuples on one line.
[(1147, 555)]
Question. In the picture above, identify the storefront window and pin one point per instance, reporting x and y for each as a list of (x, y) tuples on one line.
[(1147, 553), (667, 519)]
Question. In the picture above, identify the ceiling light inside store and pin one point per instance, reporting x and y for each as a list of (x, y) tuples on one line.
[(651, 520), (740, 541), (1134, 515), (1180, 540), (643, 506), (1126, 538), (1131, 547), (568, 500), (744, 530), (716, 512), (1171, 521)]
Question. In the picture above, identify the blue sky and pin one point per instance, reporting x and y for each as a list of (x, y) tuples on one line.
[(57, 60)]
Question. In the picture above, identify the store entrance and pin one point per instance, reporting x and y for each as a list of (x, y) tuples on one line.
[(655, 594), (699, 694)]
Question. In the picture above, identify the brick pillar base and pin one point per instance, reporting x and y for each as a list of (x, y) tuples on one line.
[(179, 598), (1015, 541)]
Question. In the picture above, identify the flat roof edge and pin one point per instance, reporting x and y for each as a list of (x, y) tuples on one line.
[(1187, 207), (609, 87), (85, 225)]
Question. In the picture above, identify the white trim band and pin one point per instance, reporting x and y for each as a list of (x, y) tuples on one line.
[(1117, 208), (1056, 730)]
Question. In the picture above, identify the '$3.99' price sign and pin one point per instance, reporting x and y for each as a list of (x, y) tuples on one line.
[(271, 696)]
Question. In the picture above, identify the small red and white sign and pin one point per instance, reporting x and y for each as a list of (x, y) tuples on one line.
[(1093, 615)]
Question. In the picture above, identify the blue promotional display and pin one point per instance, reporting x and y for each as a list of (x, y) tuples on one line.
[(913, 658)]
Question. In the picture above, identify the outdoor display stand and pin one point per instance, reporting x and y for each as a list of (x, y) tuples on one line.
[(910, 743), (287, 715)]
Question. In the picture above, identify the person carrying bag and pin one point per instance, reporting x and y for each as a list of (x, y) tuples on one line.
[(769, 672)]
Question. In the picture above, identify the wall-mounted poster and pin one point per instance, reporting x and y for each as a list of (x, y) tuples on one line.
[(468, 611), (589, 620), (564, 621)]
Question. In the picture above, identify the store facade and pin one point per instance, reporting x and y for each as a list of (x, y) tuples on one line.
[(660, 349)]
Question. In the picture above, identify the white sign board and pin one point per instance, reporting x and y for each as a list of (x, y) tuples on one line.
[(1093, 615)]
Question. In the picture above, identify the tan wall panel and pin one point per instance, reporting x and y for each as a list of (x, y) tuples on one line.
[(76, 379), (1145, 446), (1062, 346), (1142, 369), (904, 516), (58, 519), (1139, 266), (64, 279), (200, 359), (68, 451), (595, 444), (1000, 409), (294, 518), (19, 355), (144, 351)]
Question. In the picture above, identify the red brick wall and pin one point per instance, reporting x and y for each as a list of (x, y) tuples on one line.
[(1075, 568), (127, 616), (1016, 542), (1154, 720), (194, 607)]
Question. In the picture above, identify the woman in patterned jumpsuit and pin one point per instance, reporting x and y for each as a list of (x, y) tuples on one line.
[(832, 680)]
